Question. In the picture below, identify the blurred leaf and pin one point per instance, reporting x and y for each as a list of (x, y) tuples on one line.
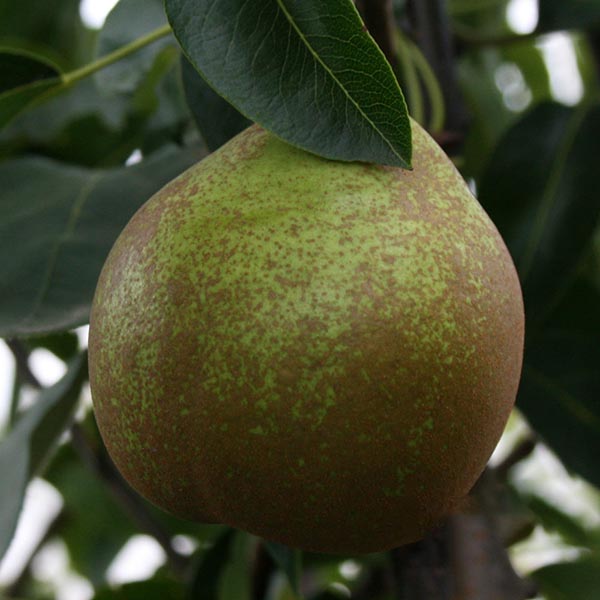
[(289, 560), (560, 388), (52, 28), (540, 190), (216, 119), (49, 118), (555, 520), (19, 69), (476, 73), (26, 447), (95, 527), (476, 20), (85, 127), (528, 58), (561, 15), (300, 69), (129, 20), (330, 594), (64, 344), (152, 589), (236, 574), (211, 563), (23, 78), (577, 580), (57, 225)]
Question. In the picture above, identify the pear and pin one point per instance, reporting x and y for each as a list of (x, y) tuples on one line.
[(321, 353)]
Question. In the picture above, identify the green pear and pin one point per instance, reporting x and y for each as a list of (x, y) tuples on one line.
[(321, 353)]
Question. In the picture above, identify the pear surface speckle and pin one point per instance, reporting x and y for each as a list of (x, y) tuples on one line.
[(324, 354)]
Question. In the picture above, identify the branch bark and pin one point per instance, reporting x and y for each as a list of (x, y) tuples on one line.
[(481, 566), (422, 569)]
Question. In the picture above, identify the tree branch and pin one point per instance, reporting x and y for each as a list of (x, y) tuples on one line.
[(21, 355), (422, 570), (522, 450), (480, 564)]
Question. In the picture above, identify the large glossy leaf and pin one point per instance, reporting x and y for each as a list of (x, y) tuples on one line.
[(560, 389), (129, 20), (540, 189), (57, 224), (307, 71), (27, 446), (216, 119)]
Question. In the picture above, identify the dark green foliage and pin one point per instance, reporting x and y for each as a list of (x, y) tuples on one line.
[(65, 194)]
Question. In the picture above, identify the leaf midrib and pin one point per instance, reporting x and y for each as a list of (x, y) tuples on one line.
[(74, 214), (317, 59)]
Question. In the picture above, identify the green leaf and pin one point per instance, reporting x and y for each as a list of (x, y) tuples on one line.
[(64, 344), (560, 15), (571, 530), (23, 78), (19, 68), (561, 381), (94, 527), (541, 191), (577, 580), (215, 118), (129, 20), (57, 224), (307, 71), (289, 560), (26, 448), (152, 589), (52, 28), (476, 70), (211, 564)]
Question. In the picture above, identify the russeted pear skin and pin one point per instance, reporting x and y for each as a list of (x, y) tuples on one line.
[(321, 353)]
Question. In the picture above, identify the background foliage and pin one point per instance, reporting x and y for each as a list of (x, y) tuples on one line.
[(81, 148)]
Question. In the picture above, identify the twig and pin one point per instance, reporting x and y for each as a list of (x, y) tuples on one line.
[(21, 355), (100, 463), (522, 450)]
